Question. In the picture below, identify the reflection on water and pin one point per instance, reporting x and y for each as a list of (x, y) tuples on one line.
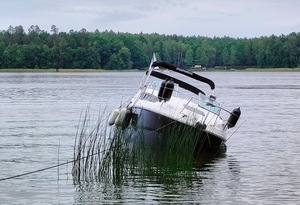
[(198, 185), (40, 114)]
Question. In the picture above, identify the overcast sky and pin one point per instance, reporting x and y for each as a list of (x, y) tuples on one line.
[(234, 18)]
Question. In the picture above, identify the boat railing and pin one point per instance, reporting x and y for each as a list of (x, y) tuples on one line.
[(208, 103)]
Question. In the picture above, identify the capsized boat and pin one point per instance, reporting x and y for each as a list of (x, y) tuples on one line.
[(166, 105)]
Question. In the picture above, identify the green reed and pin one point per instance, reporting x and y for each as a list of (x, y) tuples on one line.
[(109, 153)]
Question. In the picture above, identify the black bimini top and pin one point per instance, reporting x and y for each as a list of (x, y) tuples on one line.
[(185, 72), (182, 84)]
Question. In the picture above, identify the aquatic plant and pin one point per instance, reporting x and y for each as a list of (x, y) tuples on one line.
[(112, 153)]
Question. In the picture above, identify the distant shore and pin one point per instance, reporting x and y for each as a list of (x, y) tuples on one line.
[(51, 70), (273, 69), (28, 70)]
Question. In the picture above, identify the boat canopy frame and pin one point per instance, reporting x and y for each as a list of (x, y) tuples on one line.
[(181, 84), (184, 72)]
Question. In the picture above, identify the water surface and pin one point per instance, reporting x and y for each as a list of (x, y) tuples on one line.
[(40, 113)]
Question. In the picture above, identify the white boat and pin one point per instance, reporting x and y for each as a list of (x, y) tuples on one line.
[(165, 105)]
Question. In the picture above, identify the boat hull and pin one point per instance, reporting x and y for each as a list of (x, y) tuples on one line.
[(156, 129)]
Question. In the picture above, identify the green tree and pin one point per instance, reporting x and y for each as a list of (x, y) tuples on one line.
[(114, 63), (80, 56), (225, 56), (110, 50), (201, 57), (189, 57), (2, 48), (205, 54), (233, 56), (248, 53), (292, 46), (30, 54), (13, 56), (124, 56)]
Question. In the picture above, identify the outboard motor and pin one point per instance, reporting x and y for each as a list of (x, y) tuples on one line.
[(233, 118), (166, 90)]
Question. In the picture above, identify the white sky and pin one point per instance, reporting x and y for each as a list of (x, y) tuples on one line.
[(234, 18)]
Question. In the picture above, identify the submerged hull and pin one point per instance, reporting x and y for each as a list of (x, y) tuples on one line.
[(157, 130)]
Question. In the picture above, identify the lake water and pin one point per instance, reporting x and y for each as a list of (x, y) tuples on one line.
[(40, 112)]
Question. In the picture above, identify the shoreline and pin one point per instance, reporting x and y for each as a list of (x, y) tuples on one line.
[(272, 69), (28, 70), (52, 70)]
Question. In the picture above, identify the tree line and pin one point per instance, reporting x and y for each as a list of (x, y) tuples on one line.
[(37, 48)]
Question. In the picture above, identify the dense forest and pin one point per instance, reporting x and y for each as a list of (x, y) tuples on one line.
[(37, 48)]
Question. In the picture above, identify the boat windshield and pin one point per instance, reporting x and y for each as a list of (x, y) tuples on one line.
[(209, 103), (155, 85)]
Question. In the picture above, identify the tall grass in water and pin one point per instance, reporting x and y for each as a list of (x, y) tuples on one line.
[(109, 153), (99, 151)]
